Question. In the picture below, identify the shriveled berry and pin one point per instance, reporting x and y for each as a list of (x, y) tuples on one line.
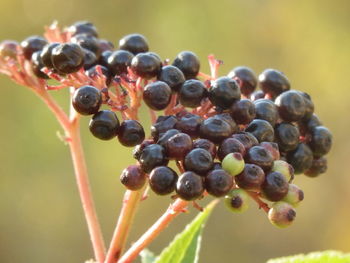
[(243, 111), (83, 27), (272, 148), (8, 49), (178, 146), (189, 124), (188, 63), (218, 183), (233, 163), (139, 148), (321, 141), (166, 136), (119, 60), (206, 145), (67, 58), (294, 196), (230, 145), (251, 178), (300, 158), (318, 166), (134, 43), (262, 130), (162, 180), (31, 45), (259, 94), (191, 93), (152, 156), (131, 133), (104, 125), (87, 100), (146, 65), (199, 161), (260, 156), (275, 186), (157, 95), (287, 136), (215, 129), (223, 92), (133, 177), (46, 54), (282, 214), (172, 76), (246, 79), (37, 66), (237, 200), (163, 124), (189, 186), (284, 168), (247, 139), (88, 42), (266, 110), (273, 82), (291, 106)]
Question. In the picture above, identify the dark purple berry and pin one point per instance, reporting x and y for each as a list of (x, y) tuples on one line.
[(146, 65), (199, 161), (103, 59), (188, 63), (163, 124), (259, 94), (191, 93), (83, 27), (312, 123), (272, 148), (230, 145), (273, 82), (189, 186), (8, 49), (251, 178), (243, 111), (139, 148), (259, 156), (105, 45), (247, 139), (134, 43), (90, 59), (46, 54), (172, 76), (87, 100), (215, 129), (131, 133), (178, 146), (262, 130), (189, 124), (92, 73), (217, 166), (157, 95), (152, 156), (291, 106), (300, 158), (88, 42), (266, 110), (321, 141), (223, 92), (309, 105), (133, 177), (119, 61), (206, 145), (218, 183), (287, 136), (318, 166), (67, 58), (246, 79), (275, 186), (104, 125), (166, 136), (162, 180), (37, 66), (227, 118), (31, 45)]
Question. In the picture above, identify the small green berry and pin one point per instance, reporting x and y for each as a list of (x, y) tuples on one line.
[(237, 200), (294, 196), (284, 168), (281, 214), (233, 163)]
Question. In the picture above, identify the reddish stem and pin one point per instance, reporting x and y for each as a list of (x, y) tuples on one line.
[(257, 199)]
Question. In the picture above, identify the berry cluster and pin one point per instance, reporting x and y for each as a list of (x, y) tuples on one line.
[(227, 139)]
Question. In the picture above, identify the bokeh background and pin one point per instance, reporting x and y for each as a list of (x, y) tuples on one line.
[(40, 215)]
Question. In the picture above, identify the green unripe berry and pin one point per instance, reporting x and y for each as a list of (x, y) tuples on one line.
[(281, 214), (233, 163), (284, 168), (237, 200), (294, 196)]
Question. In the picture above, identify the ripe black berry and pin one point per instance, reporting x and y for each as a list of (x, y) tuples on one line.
[(300, 158), (251, 178), (227, 118), (119, 60), (272, 148), (8, 48), (246, 79), (243, 111), (157, 95), (206, 145), (162, 180), (287, 136), (178, 146), (215, 129), (90, 59), (247, 139), (83, 27), (189, 124), (309, 105), (189, 186), (259, 94), (146, 65), (162, 124), (192, 92), (218, 183), (230, 145), (260, 156), (172, 76), (131, 133), (87, 100), (104, 125), (105, 45), (291, 106), (32, 44), (133, 177), (134, 43), (318, 166), (188, 63), (321, 141), (224, 92), (152, 156), (262, 130), (273, 82), (139, 148), (88, 42), (67, 58), (311, 123), (166, 136), (275, 186), (103, 59), (266, 110), (199, 161), (92, 73), (37, 65), (46, 54)]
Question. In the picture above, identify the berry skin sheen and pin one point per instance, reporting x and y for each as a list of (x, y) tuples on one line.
[(157, 95), (224, 92), (134, 43), (131, 133), (104, 125), (218, 182), (188, 63), (133, 178), (162, 180), (190, 186), (87, 100)]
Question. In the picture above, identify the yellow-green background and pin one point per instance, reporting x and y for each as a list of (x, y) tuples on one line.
[(40, 215)]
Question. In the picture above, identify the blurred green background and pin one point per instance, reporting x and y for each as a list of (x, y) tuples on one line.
[(41, 219)]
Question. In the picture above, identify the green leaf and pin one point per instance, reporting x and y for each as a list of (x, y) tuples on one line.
[(147, 256), (186, 245), (329, 256)]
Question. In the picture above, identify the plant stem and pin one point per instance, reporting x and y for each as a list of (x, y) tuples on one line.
[(176, 208), (130, 204)]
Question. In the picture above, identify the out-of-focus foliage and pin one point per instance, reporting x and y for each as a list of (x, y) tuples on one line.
[(41, 218), (315, 257)]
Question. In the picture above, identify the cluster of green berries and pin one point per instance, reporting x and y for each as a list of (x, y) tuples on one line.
[(227, 139)]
